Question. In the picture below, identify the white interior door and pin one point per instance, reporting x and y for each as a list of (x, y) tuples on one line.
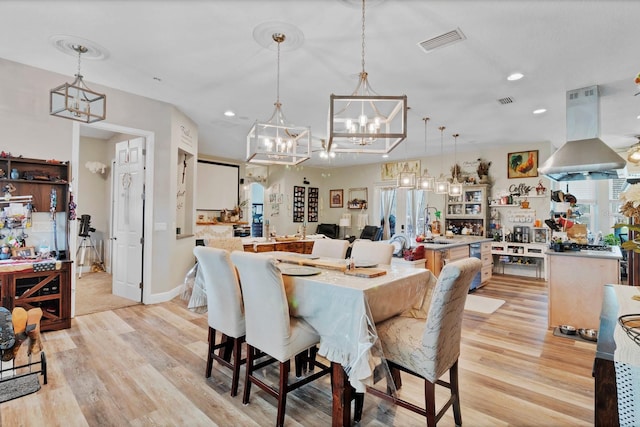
[(128, 224)]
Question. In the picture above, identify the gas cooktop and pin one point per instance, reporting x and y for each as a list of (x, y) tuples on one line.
[(578, 247)]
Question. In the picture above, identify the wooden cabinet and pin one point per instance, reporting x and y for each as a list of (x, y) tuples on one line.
[(36, 178), (49, 290), (300, 246), (576, 287), (436, 259), (487, 262), (468, 211)]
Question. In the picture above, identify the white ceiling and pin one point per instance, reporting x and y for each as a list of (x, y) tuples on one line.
[(201, 56)]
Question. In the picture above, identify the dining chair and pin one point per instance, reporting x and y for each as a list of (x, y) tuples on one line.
[(376, 252), (330, 248), (270, 328), (225, 310), (429, 349), (371, 232)]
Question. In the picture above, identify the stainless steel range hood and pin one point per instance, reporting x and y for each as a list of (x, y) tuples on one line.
[(584, 155)]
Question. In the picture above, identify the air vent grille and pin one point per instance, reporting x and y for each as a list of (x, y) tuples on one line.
[(442, 40), (506, 100)]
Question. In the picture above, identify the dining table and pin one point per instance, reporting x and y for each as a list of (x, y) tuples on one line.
[(343, 306)]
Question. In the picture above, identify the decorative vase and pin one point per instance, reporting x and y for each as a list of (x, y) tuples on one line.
[(15, 174)]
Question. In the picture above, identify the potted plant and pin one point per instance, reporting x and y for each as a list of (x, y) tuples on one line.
[(483, 171)]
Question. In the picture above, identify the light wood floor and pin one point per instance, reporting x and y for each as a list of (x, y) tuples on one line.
[(144, 365)]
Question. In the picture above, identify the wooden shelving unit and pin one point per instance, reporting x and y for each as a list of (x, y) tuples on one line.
[(468, 209), (46, 283)]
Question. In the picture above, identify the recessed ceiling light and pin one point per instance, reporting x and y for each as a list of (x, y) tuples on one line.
[(638, 117), (229, 113), (515, 76), (384, 156), (540, 111)]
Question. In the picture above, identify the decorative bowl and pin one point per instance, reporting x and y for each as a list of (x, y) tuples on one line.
[(588, 334), (568, 329)]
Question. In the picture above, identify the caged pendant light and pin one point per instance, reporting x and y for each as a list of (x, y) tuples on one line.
[(365, 122), (406, 178), (275, 142), (455, 188), (75, 101), (441, 185), (426, 181)]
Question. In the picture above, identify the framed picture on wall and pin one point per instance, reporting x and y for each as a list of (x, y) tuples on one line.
[(336, 198), (357, 198), (522, 164)]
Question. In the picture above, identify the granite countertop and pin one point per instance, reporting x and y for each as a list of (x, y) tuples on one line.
[(442, 243), (615, 253)]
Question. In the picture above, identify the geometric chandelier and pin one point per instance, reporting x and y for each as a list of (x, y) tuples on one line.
[(275, 142), (75, 101), (365, 122)]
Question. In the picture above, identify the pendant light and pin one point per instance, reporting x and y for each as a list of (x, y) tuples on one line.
[(442, 185), (455, 188), (275, 142), (75, 101), (406, 178), (633, 155), (365, 122), (426, 181)]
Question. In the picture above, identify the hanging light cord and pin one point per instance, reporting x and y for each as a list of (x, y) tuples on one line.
[(426, 119), (455, 154), (363, 45), (442, 128), (278, 38)]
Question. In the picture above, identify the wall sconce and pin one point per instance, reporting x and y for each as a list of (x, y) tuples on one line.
[(95, 167)]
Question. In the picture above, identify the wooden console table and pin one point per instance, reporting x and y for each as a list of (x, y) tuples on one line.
[(49, 289)]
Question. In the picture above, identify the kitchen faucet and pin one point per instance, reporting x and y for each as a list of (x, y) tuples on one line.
[(427, 222)]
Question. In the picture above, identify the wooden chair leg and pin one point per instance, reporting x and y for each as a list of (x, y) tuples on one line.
[(453, 381), (212, 343), (430, 402), (248, 373), (300, 362), (358, 407), (227, 348), (237, 356), (395, 375), (312, 358), (282, 391)]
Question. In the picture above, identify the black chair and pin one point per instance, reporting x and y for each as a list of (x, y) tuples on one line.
[(371, 232), (332, 231)]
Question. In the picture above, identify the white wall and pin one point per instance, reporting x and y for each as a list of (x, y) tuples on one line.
[(27, 129)]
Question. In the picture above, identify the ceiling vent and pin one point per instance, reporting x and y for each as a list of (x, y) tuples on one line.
[(442, 40), (506, 100)]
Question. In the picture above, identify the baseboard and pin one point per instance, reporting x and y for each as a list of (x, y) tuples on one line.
[(164, 296)]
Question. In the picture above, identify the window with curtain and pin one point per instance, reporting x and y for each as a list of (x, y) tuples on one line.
[(416, 204), (388, 212)]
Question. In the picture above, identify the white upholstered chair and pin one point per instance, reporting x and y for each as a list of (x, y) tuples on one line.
[(330, 248), (270, 329), (429, 349), (225, 310), (378, 252)]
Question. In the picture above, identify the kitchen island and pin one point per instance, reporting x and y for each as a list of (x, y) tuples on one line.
[(576, 283), (441, 250)]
